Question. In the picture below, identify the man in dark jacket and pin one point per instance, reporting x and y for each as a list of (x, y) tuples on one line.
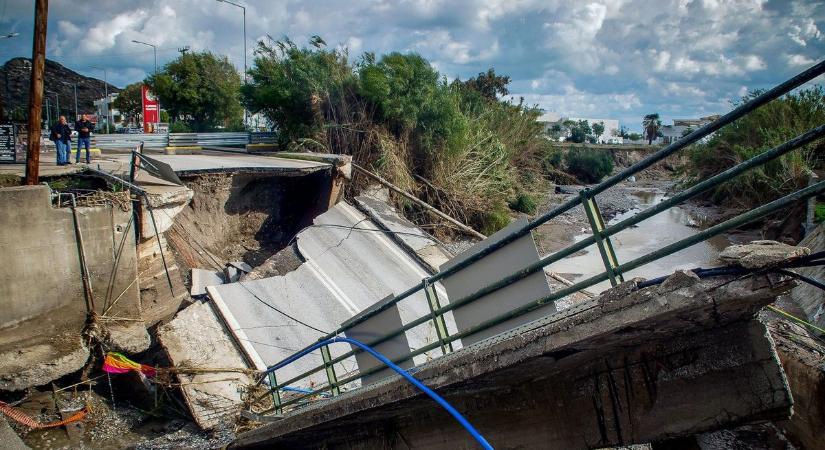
[(84, 129), (61, 134)]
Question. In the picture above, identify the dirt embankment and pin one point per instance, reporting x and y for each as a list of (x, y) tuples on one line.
[(242, 217)]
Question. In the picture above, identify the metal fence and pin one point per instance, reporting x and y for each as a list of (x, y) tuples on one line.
[(130, 141), (614, 269)]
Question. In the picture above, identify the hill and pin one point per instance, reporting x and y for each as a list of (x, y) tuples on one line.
[(14, 88)]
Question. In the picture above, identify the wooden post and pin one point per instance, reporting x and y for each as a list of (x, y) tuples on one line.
[(419, 202), (41, 13)]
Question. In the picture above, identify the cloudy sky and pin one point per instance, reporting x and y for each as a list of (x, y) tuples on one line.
[(603, 59)]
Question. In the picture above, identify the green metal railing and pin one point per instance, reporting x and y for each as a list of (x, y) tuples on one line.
[(614, 270)]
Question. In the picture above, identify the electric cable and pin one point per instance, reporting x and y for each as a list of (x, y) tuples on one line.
[(411, 379)]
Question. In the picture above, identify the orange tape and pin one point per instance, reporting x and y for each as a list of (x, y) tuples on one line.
[(24, 419)]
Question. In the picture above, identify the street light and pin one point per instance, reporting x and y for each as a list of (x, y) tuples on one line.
[(244, 48), (154, 50), (106, 98), (57, 97)]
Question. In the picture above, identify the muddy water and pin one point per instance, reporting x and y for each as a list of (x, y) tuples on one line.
[(651, 234)]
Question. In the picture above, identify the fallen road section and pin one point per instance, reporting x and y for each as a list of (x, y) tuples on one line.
[(350, 265), (632, 366)]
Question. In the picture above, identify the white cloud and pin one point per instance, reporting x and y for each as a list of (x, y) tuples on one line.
[(619, 58)]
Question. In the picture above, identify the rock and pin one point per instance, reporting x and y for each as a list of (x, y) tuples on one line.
[(128, 337), (759, 254), (680, 279), (10, 439)]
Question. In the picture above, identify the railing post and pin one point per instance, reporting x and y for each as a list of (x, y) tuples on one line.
[(276, 393), (438, 320), (330, 369), (594, 216)]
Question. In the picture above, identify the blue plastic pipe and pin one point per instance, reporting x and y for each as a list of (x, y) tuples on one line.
[(414, 381)]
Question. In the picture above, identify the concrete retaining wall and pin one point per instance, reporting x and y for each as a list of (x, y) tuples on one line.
[(42, 299), (41, 275)]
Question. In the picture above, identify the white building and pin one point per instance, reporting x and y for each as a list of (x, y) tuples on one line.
[(681, 127), (105, 109)]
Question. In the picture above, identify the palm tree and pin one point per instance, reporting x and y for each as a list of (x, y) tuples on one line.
[(651, 125)]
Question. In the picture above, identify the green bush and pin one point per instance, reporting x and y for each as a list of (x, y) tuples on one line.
[(495, 220), (759, 131), (588, 165), (525, 203), (819, 213), (179, 127)]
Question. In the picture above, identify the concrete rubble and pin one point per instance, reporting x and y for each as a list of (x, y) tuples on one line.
[(196, 339), (758, 254)]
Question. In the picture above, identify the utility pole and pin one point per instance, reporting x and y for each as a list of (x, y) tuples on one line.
[(41, 14), (75, 101), (155, 51), (106, 98), (245, 112)]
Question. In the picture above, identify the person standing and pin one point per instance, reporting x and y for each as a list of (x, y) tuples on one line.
[(61, 134), (84, 129)]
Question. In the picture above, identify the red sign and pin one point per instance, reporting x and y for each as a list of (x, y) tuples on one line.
[(151, 109)]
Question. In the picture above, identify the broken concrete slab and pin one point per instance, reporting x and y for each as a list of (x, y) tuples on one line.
[(242, 266), (196, 339), (759, 254), (640, 369), (802, 356), (421, 245), (231, 273), (36, 365), (128, 337), (274, 317), (361, 265), (201, 278), (810, 298), (491, 268)]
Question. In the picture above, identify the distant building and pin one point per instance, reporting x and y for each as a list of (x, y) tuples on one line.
[(555, 128), (681, 127)]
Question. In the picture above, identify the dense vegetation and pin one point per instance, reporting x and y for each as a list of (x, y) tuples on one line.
[(200, 93), (765, 128), (457, 145)]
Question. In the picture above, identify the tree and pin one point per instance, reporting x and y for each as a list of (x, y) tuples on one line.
[(634, 136), (200, 89), (598, 130), (290, 86), (651, 125), (129, 101), (488, 84), (580, 131)]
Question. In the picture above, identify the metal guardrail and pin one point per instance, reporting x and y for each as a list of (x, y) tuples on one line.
[(207, 139), (265, 137), (601, 237), (130, 141)]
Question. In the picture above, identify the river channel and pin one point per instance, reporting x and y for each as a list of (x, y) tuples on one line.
[(651, 234)]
